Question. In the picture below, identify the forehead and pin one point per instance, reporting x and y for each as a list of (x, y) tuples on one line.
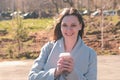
[(70, 19)]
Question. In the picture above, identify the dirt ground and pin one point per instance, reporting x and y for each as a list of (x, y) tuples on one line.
[(108, 68)]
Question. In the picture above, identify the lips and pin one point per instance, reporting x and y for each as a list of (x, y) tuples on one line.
[(68, 34)]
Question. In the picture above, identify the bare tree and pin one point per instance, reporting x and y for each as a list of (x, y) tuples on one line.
[(56, 5), (39, 5), (70, 2), (114, 4)]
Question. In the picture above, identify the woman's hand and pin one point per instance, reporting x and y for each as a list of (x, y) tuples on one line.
[(64, 64)]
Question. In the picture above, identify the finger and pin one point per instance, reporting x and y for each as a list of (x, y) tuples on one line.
[(68, 67), (70, 60), (60, 66), (65, 69), (69, 63), (65, 64)]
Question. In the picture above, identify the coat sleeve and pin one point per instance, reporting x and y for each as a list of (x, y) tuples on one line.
[(92, 67), (37, 72)]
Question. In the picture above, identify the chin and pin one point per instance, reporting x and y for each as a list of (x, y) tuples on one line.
[(70, 37)]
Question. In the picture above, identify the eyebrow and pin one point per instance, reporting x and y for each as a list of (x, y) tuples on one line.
[(71, 23)]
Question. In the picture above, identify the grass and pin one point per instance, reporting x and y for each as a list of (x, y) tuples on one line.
[(32, 24), (38, 24), (9, 49)]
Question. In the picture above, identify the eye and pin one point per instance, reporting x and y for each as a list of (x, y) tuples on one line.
[(64, 25), (73, 25)]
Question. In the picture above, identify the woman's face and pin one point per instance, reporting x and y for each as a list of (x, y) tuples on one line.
[(70, 27)]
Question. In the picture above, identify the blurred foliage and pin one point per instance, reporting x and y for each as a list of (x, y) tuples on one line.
[(30, 46)]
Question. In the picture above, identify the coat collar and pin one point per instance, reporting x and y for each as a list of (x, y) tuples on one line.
[(77, 46)]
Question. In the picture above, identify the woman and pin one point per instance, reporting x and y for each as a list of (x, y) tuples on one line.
[(68, 32)]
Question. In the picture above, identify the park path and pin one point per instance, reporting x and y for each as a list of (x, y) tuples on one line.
[(108, 68)]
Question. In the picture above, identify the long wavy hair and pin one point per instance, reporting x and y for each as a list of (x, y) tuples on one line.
[(67, 12)]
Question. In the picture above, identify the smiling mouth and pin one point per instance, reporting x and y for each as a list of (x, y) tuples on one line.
[(68, 34)]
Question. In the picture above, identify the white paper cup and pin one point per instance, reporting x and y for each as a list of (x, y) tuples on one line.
[(65, 55)]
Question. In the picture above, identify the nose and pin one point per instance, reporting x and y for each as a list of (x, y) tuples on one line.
[(68, 28)]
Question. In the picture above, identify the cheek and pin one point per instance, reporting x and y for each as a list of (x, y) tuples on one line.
[(76, 32), (62, 30), (80, 27)]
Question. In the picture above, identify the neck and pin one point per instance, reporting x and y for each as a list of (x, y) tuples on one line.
[(69, 44)]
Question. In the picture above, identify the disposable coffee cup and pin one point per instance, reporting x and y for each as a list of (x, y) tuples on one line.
[(65, 55)]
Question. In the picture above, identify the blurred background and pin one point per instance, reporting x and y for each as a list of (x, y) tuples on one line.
[(23, 23), (26, 25)]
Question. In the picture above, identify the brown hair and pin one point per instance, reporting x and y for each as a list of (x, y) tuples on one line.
[(66, 12)]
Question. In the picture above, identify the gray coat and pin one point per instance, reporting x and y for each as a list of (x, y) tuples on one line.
[(85, 62)]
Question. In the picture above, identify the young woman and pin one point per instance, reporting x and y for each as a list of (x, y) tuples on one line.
[(82, 63)]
